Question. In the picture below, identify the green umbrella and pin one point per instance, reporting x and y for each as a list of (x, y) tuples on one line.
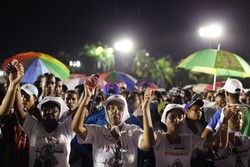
[(217, 63)]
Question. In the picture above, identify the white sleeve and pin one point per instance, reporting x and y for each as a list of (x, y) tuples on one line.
[(67, 127), (197, 142), (29, 123), (137, 135), (92, 134), (158, 141), (220, 120)]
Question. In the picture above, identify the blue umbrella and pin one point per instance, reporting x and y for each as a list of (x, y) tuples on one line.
[(119, 77)]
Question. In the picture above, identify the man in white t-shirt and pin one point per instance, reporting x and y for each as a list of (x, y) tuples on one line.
[(114, 144), (49, 140)]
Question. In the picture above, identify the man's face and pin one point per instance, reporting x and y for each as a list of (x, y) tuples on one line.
[(71, 100), (245, 98), (220, 102), (50, 111), (194, 112), (134, 101), (58, 88), (210, 96), (28, 101), (235, 123), (42, 82), (115, 111), (50, 85)]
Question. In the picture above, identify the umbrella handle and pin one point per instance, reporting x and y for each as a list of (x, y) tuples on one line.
[(218, 48), (214, 82)]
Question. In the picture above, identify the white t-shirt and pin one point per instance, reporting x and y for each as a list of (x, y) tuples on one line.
[(104, 145), (186, 130), (167, 154), (52, 148), (243, 153)]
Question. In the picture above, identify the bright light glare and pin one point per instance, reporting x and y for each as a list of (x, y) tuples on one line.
[(211, 31), (75, 63), (124, 45), (78, 63), (1, 73)]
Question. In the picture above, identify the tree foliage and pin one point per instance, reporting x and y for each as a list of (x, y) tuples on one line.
[(93, 58), (164, 73), (159, 71), (102, 56)]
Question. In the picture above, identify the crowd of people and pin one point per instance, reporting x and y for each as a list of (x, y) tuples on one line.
[(44, 124)]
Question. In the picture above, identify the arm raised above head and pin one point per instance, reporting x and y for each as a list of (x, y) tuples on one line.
[(81, 113), (15, 72), (148, 135)]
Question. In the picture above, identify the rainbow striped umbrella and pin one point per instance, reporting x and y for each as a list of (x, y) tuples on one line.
[(36, 63)]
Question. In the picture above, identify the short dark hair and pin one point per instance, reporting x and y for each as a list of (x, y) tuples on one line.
[(135, 92), (209, 91), (234, 96), (73, 92), (58, 79), (64, 88), (48, 74), (220, 94), (80, 88)]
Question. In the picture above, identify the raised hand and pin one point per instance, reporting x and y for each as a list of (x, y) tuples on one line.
[(15, 72), (90, 84), (148, 96), (229, 111)]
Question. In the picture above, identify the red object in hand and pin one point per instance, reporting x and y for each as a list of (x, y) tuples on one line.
[(92, 81)]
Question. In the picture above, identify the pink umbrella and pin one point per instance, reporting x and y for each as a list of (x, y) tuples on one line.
[(72, 83)]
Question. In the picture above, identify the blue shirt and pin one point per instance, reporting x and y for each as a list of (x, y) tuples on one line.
[(215, 122)]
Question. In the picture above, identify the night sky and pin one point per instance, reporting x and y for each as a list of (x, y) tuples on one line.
[(161, 27)]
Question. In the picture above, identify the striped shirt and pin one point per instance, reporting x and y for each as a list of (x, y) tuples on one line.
[(14, 135)]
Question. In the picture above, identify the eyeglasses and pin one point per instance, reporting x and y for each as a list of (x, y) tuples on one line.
[(118, 154)]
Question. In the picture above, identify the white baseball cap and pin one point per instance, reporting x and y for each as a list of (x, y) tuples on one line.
[(57, 100), (121, 99), (30, 89), (233, 86), (168, 108)]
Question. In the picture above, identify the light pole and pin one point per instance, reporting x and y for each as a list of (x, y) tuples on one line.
[(211, 31)]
